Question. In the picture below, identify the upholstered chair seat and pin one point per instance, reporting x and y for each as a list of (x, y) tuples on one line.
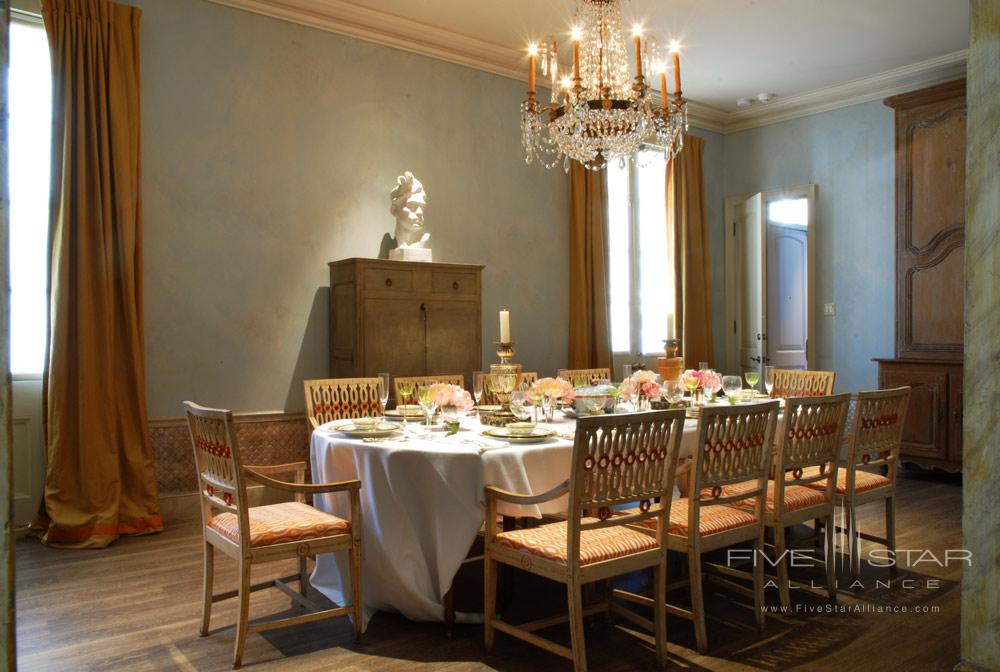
[(795, 497), (596, 545), (863, 481), (713, 519), (280, 523)]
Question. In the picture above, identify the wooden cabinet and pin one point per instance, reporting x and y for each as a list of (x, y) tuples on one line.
[(407, 318), (930, 271)]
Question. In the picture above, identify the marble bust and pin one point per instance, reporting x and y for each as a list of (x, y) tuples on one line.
[(408, 200)]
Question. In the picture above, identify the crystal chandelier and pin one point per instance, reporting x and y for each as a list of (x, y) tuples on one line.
[(601, 111)]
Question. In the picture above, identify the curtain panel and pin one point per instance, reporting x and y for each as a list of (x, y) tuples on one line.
[(99, 480), (692, 267), (589, 329)]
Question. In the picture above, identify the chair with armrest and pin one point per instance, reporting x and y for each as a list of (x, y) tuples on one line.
[(258, 534)]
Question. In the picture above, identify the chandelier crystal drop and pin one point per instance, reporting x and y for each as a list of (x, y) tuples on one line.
[(602, 109)]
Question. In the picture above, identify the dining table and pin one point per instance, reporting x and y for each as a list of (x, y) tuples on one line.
[(423, 504)]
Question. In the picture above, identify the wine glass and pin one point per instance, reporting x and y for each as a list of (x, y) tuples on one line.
[(768, 379), (673, 390), (426, 401), (383, 389), (477, 386), (520, 405), (732, 385), (752, 378), (405, 389), (712, 386), (626, 371)]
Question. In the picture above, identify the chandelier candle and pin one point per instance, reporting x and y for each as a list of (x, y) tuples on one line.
[(675, 49), (637, 33), (532, 58)]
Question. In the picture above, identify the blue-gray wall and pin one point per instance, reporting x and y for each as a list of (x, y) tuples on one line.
[(848, 154)]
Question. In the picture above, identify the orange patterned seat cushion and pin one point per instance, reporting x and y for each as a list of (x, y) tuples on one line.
[(863, 480), (280, 523), (796, 496), (549, 542), (712, 519)]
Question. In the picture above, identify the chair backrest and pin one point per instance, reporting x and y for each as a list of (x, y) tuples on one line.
[(217, 459), (877, 431), (342, 398), (417, 381), (810, 435), (735, 445), (793, 383), (490, 397), (582, 377), (621, 459)]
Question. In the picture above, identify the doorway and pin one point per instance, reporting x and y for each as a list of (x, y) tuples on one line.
[(770, 252)]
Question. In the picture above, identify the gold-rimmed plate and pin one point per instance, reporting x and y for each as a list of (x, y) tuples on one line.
[(348, 428), (407, 411), (503, 434)]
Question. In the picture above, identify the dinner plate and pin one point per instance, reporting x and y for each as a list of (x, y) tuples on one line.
[(504, 434), (350, 429), (404, 412), (486, 408)]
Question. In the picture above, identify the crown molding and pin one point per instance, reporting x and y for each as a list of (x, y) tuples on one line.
[(874, 87), (346, 18)]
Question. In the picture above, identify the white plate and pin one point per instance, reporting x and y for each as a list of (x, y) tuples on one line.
[(348, 428), (503, 434)]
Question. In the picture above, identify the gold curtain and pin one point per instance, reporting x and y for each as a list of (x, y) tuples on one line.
[(589, 330), (99, 482), (692, 267)]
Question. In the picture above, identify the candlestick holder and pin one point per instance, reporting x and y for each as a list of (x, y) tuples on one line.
[(672, 346), (505, 351), (672, 365)]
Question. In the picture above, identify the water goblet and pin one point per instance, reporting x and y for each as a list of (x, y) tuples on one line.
[(769, 379), (732, 385), (405, 389), (520, 405), (673, 390)]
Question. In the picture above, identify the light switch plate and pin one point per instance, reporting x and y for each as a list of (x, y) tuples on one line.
[(829, 308)]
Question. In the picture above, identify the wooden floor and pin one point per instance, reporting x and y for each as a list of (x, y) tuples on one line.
[(136, 606)]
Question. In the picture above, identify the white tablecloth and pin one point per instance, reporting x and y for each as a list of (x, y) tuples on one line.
[(422, 506)]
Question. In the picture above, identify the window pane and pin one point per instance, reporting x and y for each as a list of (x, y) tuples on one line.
[(656, 276), (789, 211), (30, 82), (619, 275)]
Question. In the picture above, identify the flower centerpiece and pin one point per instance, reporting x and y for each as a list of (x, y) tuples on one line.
[(712, 383), (700, 383), (453, 402), (692, 383), (641, 387), (551, 391)]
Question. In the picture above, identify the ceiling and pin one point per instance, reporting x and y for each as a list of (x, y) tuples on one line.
[(813, 54)]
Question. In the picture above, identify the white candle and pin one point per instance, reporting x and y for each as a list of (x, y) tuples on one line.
[(505, 326), (671, 327)]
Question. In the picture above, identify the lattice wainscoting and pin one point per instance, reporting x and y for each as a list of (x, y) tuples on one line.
[(265, 438)]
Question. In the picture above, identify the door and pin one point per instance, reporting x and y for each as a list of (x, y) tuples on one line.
[(925, 431), (394, 337), (787, 302), (748, 230), (453, 338), (29, 450)]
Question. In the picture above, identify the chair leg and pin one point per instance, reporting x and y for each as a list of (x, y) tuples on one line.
[(831, 568), (780, 553), (577, 643), (449, 611), (356, 589), (758, 581), (660, 613), (243, 615), (698, 601), (303, 579), (853, 541), (890, 530), (209, 577), (489, 599)]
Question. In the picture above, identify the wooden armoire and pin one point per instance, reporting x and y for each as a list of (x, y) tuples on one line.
[(930, 272), (404, 318)]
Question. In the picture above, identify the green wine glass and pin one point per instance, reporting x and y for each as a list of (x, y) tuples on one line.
[(753, 377)]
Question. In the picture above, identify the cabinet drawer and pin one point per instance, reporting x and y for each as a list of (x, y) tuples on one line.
[(455, 282), (925, 431), (385, 279)]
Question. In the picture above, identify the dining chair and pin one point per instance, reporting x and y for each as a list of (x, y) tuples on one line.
[(342, 398), (590, 376), (417, 381), (616, 459), (254, 535), (794, 383), (874, 440), (807, 452), (735, 445)]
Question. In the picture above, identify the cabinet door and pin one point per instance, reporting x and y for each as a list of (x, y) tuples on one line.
[(955, 409), (393, 337), (453, 338), (925, 433)]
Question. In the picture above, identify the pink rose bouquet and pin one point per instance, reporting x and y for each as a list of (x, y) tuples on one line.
[(445, 394), (692, 379), (554, 388), (641, 384), (712, 382)]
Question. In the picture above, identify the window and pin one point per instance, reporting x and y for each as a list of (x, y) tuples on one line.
[(30, 98), (640, 258), (789, 211)]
